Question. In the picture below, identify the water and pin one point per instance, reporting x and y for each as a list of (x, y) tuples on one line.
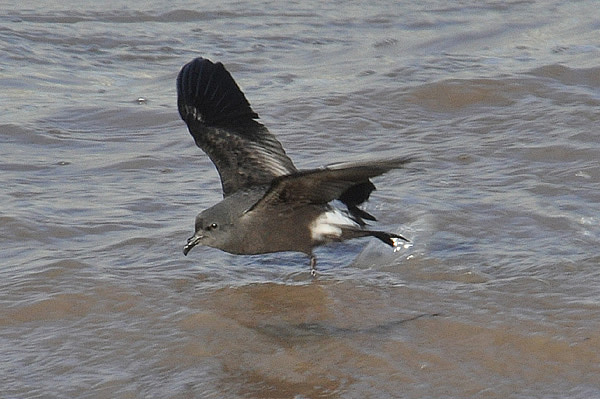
[(498, 296)]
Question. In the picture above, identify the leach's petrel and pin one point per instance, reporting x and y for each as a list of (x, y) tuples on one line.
[(268, 204)]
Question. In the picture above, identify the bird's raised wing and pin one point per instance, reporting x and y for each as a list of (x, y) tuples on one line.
[(223, 125), (348, 182)]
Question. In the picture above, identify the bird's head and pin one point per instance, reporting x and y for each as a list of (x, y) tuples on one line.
[(211, 229)]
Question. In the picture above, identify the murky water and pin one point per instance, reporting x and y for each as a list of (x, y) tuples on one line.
[(498, 296)]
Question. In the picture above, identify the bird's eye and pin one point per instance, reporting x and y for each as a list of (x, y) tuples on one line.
[(212, 226)]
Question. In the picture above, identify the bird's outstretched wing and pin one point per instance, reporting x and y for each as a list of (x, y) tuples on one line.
[(348, 182), (223, 125)]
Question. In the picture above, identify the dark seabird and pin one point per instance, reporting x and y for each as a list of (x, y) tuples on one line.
[(268, 204)]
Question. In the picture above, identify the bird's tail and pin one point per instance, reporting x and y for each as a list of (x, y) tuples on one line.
[(390, 239)]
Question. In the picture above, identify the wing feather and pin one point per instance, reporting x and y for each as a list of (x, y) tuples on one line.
[(223, 125), (348, 182)]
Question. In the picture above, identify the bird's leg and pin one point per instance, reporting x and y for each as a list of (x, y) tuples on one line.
[(313, 265)]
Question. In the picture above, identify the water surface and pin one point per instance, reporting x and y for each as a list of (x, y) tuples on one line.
[(497, 297)]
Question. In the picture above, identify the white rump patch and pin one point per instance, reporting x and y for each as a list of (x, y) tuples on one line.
[(328, 226)]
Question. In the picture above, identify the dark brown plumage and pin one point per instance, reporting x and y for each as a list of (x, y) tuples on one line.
[(269, 205)]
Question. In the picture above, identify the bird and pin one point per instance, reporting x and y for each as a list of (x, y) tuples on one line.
[(268, 204)]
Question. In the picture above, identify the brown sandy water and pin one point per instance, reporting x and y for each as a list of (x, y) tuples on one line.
[(498, 296)]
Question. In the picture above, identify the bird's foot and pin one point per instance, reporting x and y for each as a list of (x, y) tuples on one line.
[(313, 266)]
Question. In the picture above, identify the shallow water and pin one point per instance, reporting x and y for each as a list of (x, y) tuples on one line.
[(497, 297)]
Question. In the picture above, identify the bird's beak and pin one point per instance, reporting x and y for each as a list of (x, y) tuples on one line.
[(191, 243)]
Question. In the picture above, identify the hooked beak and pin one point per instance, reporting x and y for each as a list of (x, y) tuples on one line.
[(191, 243)]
